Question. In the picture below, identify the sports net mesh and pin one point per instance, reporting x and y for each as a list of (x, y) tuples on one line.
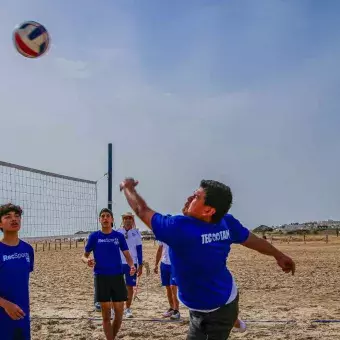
[(53, 204)]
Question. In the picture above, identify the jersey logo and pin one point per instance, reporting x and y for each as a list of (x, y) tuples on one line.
[(16, 256)]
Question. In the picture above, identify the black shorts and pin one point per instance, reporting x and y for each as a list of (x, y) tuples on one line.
[(215, 325), (110, 288)]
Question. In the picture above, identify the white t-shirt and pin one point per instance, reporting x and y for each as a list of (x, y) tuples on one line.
[(165, 253), (133, 239)]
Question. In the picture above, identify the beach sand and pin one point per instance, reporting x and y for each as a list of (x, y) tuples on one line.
[(62, 296)]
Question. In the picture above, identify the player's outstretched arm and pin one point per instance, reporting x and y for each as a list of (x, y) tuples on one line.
[(136, 202), (264, 247)]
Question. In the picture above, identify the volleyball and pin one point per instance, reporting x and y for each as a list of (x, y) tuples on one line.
[(31, 39)]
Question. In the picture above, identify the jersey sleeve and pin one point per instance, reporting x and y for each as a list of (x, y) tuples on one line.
[(90, 243), (238, 233), (122, 242), (167, 228)]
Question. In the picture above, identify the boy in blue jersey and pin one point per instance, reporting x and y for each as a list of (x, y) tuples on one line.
[(106, 245), (199, 247), (16, 264)]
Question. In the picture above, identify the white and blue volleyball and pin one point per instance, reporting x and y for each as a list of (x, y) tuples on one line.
[(31, 39)]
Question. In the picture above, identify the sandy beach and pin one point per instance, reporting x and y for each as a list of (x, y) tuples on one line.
[(62, 296)]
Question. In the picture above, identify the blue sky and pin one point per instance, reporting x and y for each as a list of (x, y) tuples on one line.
[(246, 92)]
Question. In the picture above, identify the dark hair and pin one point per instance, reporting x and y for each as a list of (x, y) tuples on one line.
[(217, 196), (107, 210), (7, 208)]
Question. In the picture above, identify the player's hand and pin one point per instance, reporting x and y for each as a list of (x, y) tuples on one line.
[(155, 270), (286, 263), (140, 271), (91, 263), (14, 311), (132, 270), (128, 183)]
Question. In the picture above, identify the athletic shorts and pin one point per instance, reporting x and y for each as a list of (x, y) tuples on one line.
[(10, 330), (110, 288), (215, 325), (167, 277), (129, 280)]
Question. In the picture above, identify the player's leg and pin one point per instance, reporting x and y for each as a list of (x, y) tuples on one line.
[(176, 314), (165, 280), (103, 296), (196, 326), (119, 296), (131, 282), (106, 314), (220, 322), (96, 303), (117, 322), (170, 311)]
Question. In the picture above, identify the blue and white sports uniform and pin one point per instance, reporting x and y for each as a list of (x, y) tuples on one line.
[(134, 241), (106, 252), (16, 264), (167, 275), (198, 254)]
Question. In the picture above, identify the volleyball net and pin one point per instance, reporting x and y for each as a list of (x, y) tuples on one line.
[(53, 204)]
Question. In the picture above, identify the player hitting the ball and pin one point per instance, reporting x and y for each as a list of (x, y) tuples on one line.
[(16, 264), (199, 245), (109, 277)]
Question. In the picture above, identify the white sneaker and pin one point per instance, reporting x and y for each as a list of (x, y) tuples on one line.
[(128, 313), (176, 315), (168, 313), (112, 313), (242, 328)]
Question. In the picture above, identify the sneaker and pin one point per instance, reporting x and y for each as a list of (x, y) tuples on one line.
[(176, 315), (168, 313), (112, 313), (97, 307), (128, 313), (242, 327)]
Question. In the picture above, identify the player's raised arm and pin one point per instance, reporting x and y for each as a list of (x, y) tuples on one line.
[(136, 202)]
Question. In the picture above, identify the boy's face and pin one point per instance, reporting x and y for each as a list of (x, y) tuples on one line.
[(11, 221), (106, 220)]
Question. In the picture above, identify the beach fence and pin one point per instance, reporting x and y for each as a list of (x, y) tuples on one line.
[(55, 207), (58, 243), (325, 236)]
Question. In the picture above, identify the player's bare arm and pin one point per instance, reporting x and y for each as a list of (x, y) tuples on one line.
[(158, 258), (85, 258), (136, 202), (13, 310), (129, 261), (264, 247)]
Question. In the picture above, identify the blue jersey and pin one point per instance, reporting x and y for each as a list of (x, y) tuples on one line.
[(106, 252), (198, 253), (16, 264)]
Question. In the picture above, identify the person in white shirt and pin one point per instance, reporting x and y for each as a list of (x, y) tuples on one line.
[(168, 280), (134, 241)]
